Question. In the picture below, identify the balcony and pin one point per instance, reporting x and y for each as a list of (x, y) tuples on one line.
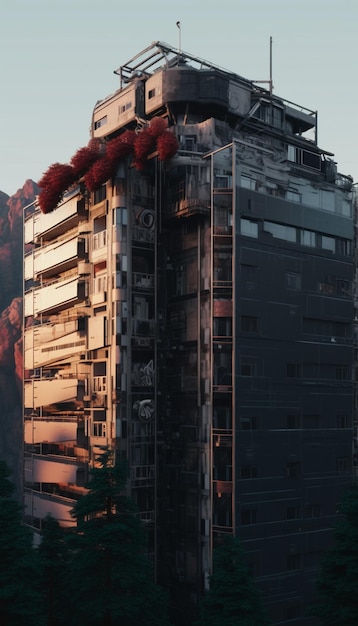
[(188, 207), (49, 391), (38, 506), (38, 430), (44, 470), (49, 344), (99, 245), (55, 297), (142, 281), (58, 257), (50, 225)]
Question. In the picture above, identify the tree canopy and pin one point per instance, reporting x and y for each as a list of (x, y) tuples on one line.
[(233, 598), (20, 598), (111, 571), (337, 599)]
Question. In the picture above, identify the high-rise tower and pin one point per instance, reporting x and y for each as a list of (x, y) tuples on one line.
[(194, 312)]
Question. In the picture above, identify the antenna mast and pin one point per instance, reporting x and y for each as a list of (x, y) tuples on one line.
[(179, 27), (270, 81)]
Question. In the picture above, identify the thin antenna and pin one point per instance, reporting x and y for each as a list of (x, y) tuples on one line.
[(268, 82), (271, 83), (179, 27)]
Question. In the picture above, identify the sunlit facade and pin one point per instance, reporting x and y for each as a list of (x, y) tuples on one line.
[(196, 316)]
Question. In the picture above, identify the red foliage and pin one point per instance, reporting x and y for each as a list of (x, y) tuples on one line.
[(85, 157), (121, 146), (99, 173), (157, 126), (49, 199), (144, 144), (54, 173), (53, 184), (167, 146), (140, 164)]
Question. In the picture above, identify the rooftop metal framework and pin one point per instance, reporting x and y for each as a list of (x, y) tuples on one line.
[(160, 54)]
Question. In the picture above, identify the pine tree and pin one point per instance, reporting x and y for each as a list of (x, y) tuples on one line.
[(337, 599), (20, 599), (233, 598), (53, 570), (111, 573)]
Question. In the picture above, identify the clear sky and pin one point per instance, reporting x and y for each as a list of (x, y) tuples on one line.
[(57, 59)]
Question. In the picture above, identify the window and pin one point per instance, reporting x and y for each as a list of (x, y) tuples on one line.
[(99, 195), (343, 421), (326, 288), (247, 182), (303, 157), (343, 464), (313, 510), (293, 280), (293, 421), (281, 231), (99, 429), (151, 93), (343, 287), (308, 238), (342, 372), (293, 562), (125, 107), (293, 512), (293, 611), (293, 469), (248, 517), (222, 327), (248, 471), (328, 200), (247, 369), (293, 195), (189, 142), (343, 247), (222, 181), (249, 324), (328, 243), (249, 228), (248, 423), (100, 122), (293, 370)]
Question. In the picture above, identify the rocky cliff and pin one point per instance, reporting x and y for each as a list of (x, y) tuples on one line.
[(11, 264)]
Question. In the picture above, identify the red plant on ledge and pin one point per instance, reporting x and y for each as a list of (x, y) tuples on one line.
[(85, 157), (99, 172), (53, 184), (167, 146), (144, 144), (121, 146), (97, 167), (157, 126)]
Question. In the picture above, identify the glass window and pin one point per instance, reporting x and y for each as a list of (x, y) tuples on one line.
[(308, 238), (293, 280), (100, 122), (248, 183), (249, 323), (281, 231), (249, 228), (346, 208), (293, 195), (328, 243), (328, 200)]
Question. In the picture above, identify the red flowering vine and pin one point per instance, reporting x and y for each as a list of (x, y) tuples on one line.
[(167, 146), (97, 165)]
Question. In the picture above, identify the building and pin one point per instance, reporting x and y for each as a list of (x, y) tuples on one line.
[(195, 313)]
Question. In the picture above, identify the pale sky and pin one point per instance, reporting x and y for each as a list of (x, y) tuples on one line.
[(57, 59)]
